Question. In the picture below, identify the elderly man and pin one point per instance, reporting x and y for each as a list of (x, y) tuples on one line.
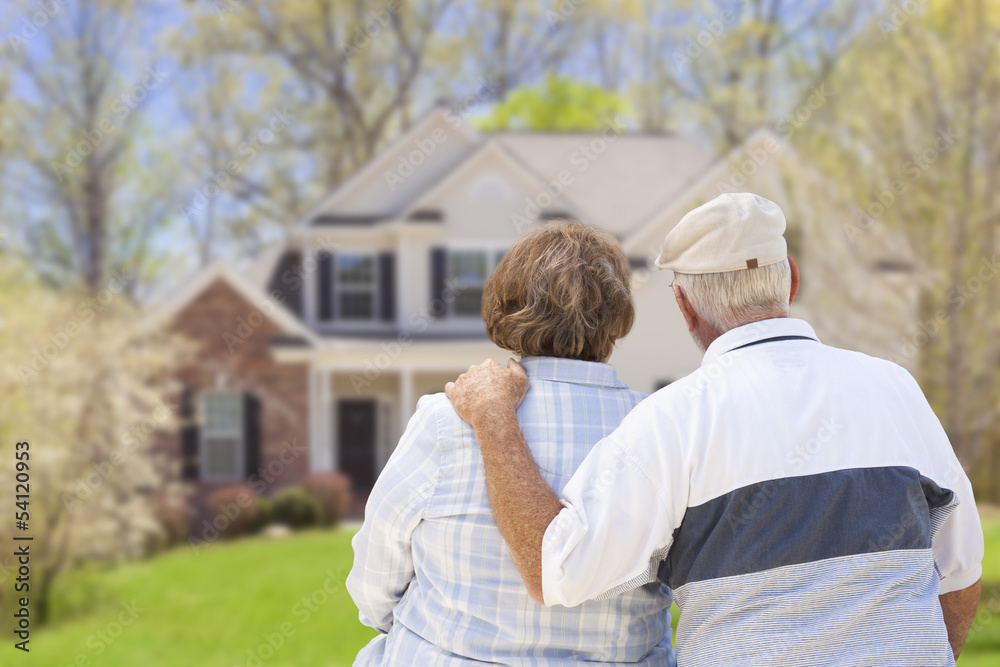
[(803, 501)]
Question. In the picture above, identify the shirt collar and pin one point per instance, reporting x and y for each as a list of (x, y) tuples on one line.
[(757, 331), (558, 369)]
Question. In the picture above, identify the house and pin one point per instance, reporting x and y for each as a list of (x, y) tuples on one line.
[(314, 356)]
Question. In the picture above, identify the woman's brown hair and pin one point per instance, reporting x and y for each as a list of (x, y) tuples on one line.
[(563, 290)]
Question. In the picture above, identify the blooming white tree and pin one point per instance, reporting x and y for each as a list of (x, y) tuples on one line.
[(87, 385)]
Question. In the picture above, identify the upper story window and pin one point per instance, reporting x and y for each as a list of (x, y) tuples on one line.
[(469, 270), (221, 435), (355, 285)]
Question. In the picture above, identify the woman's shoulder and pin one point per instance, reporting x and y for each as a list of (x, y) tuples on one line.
[(449, 426)]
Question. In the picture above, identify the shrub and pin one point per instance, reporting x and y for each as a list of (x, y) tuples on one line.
[(294, 507), (265, 512), (233, 510), (331, 491), (172, 512)]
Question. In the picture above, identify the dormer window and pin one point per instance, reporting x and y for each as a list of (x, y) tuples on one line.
[(469, 271), (354, 286), (458, 278)]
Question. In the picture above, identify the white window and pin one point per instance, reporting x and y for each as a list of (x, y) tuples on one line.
[(355, 287), (221, 435), (469, 270)]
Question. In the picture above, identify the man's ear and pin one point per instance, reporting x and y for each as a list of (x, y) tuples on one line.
[(795, 280), (690, 316)]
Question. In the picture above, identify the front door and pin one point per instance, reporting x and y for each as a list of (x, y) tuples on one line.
[(356, 442)]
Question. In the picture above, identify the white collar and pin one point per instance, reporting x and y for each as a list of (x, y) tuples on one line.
[(757, 331)]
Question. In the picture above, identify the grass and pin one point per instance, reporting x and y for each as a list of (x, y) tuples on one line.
[(228, 605), (224, 607)]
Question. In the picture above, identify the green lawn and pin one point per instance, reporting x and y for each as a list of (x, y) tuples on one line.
[(214, 609), (228, 606)]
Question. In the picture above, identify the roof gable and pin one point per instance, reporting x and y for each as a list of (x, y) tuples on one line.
[(717, 171), (401, 172), (255, 296), (491, 154), (614, 180)]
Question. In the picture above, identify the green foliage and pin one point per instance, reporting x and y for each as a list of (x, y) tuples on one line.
[(557, 104), (80, 376), (294, 507), (331, 491), (908, 146)]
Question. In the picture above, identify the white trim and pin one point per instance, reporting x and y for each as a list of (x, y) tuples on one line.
[(491, 147), (328, 421), (406, 403), (386, 407), (363, 174), (276, 311), (239, 435), (309, 293), (330, 355)]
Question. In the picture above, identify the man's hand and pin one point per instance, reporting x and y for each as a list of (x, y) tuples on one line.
[(487, 397), (488, 392)]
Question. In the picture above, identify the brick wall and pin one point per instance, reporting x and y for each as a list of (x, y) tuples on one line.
[(233, 353)]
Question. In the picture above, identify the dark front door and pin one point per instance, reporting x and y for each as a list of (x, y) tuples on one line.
[(356, 442)]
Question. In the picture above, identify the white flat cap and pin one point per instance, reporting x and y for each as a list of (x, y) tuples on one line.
[(733, 232)]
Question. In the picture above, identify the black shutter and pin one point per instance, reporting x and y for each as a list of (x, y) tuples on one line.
[(189, 435), (286, 280), (439, 273), (387, 286), (251, 433), (324, 305)]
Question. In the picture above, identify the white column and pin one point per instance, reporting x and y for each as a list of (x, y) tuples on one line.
[(329, 421), (315, 427), (309, 275), (405, 397)]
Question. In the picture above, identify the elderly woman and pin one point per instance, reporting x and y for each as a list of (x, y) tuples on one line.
[(431, 572)]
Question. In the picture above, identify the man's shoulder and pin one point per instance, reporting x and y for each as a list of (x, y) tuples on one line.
[(868, 364)]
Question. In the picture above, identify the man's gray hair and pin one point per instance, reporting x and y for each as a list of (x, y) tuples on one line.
[(734, 298)]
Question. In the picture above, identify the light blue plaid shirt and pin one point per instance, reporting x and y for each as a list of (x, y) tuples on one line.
[(432, 573)]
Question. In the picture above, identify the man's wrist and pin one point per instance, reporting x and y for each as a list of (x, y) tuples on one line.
[(493, 420)]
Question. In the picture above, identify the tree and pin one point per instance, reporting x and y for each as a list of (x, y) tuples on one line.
[(912, 149), (344, 74), (721, 69), (87, 385), (515, 44), (75, 142), (559, 104)]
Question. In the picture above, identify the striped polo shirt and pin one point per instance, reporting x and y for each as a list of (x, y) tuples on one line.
[(802, 501)]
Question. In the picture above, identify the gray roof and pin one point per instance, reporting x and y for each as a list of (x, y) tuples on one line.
[(647, 171)]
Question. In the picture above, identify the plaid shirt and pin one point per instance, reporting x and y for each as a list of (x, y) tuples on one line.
[(432, 573)]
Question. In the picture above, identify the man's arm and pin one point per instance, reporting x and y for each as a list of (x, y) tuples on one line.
[(523, 504), (959, 609), (614, 523)]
